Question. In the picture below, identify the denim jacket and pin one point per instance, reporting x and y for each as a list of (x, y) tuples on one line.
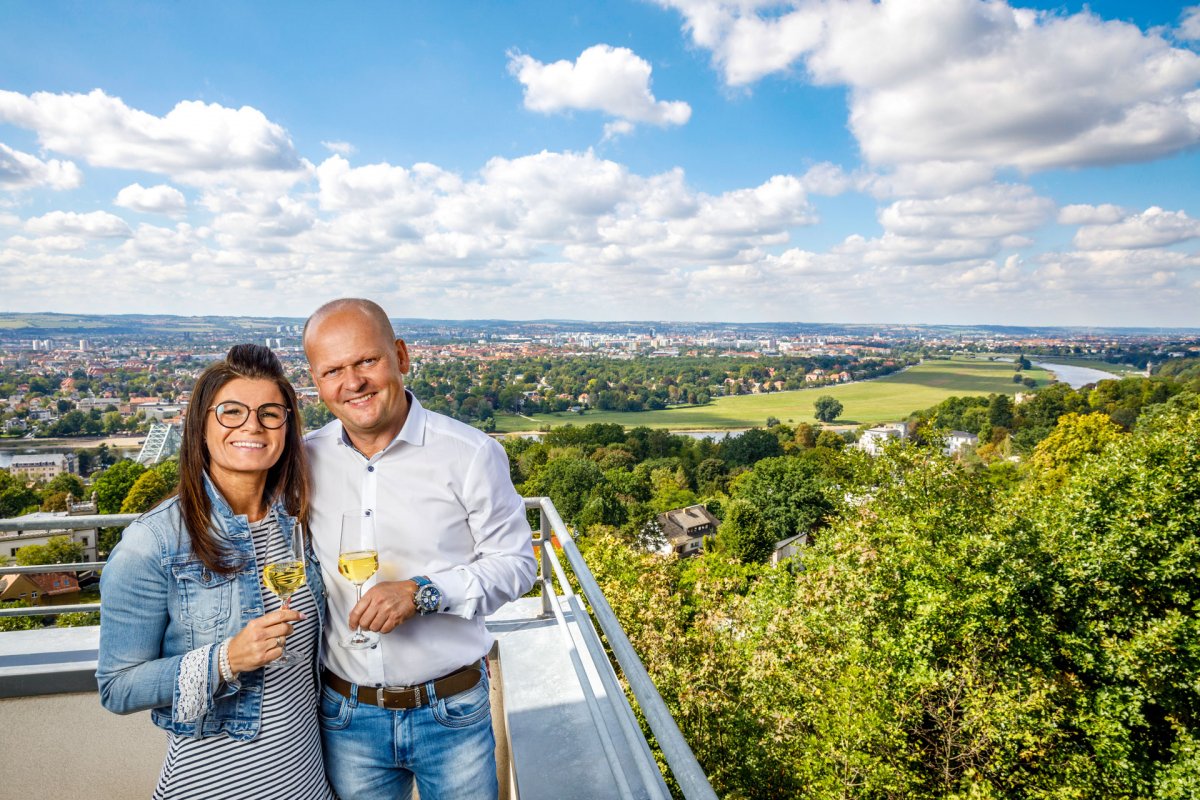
[(159, 602)]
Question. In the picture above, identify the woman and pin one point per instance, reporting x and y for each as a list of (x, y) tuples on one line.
[(176, 590)]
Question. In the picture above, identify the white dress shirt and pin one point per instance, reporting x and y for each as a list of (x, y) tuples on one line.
[(444, 507)]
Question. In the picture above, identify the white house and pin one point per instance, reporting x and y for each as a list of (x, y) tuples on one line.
[(873, 439), (957, 440)]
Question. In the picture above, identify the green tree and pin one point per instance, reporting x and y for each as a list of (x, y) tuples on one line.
[(15, 497), (1000, 411), (827, 408), (316, 415), (18, 623), (750, 447), (787, 493), (829, 440), (744, 534), (57, 550), (66, 482), (114, 484), (568, 481), (145, 493), (670, 489), (1073, 440)]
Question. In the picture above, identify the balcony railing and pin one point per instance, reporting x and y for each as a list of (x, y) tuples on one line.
[(558, 696)]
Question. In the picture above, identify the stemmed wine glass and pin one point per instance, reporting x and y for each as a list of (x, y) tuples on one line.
[(358, 560), (283, 575)]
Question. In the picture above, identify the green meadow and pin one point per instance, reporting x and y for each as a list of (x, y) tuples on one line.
[(885, 399)]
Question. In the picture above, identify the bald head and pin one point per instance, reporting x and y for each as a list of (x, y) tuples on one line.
[(356, 306), (358, 367)]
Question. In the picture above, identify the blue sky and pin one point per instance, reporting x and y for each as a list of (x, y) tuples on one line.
[(936, 161)]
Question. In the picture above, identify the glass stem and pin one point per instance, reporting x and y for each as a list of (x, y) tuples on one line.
[(358, 635)]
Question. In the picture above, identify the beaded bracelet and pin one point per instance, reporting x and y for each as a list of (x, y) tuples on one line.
[(223, 662)]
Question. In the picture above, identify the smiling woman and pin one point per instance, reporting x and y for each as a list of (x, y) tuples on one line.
[(186, 575)]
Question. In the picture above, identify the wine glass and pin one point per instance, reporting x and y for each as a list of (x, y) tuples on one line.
[(283, 575), (357, 562)]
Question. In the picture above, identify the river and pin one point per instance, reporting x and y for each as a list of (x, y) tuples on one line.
[(1075, 376)]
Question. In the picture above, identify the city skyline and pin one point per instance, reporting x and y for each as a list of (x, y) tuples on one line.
[(957, 162)]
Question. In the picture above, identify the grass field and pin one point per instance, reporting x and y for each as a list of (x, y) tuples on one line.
[(886, 399)]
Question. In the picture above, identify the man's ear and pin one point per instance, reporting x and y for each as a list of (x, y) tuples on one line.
[(402, 356)]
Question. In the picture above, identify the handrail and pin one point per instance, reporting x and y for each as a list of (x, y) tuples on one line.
[(68, 523), (679, 756)]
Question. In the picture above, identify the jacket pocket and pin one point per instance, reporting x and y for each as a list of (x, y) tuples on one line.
[(205, 597)]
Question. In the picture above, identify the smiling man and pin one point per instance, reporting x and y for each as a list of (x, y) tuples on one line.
[(453, 545)]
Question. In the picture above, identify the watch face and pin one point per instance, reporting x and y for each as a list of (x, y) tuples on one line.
[(428, 598)]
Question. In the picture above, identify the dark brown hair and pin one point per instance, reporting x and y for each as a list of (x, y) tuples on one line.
[(286, 480)]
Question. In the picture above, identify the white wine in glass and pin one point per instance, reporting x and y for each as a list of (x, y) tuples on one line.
[(283, 576), (358, 560)]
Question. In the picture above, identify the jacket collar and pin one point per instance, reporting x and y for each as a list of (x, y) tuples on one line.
[(233, 524)]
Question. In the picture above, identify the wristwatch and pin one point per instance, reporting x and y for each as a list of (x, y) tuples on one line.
[(428, 598)]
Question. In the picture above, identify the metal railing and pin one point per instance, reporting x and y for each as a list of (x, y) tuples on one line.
[(686, 770), (53, 526), (556, 590)]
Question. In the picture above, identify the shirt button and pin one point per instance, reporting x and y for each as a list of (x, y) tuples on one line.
[(367, 512), (371, 469)]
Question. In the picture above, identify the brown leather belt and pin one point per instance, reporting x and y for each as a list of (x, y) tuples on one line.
[(395, 698)]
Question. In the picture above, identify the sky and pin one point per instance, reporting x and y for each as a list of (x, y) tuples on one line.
[(858, 161)]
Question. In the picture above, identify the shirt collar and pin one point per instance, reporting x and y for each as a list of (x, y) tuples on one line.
[(412, 433)]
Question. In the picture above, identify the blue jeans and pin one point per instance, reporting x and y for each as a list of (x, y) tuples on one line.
[(447, 746)]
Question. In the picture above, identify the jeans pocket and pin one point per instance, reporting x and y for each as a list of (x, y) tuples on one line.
[(465, 708), (333, 710)]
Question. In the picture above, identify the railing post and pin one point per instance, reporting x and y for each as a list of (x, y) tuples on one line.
[(547, 583)]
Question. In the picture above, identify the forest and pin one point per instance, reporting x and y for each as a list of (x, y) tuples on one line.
[(976, 628)]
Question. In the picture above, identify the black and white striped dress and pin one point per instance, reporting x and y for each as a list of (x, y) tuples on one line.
[(284, 760)]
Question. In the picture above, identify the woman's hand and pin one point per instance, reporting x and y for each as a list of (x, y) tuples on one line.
[(261, 641)]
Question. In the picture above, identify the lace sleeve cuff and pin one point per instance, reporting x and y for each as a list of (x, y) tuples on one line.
[(192, 687)]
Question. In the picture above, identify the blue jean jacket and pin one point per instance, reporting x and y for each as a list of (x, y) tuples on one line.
[(158, 602)]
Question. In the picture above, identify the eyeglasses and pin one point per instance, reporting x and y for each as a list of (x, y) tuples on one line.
[(232, 414)]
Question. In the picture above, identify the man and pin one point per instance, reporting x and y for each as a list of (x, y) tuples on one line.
[(454, 545)]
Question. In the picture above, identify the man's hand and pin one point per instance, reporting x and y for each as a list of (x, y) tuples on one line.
[(384, 606)]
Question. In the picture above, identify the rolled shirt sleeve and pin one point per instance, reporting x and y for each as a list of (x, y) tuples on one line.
[(504, 566)]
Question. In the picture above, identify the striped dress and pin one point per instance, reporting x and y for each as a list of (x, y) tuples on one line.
[(284, 760)]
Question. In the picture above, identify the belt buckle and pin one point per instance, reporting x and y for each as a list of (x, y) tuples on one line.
[(400, 690)]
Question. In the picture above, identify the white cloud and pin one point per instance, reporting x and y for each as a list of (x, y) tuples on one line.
[(1082, 214), (827, 179), (94, 225), (951, 230), (613, 80), (1114, 272), (617, 128), (1189, 24), (161, 199), (339, 148), (195, 143), (969, 81), (986, 213), (934, 178), (523, 236), (22, 171), (1152, 228)]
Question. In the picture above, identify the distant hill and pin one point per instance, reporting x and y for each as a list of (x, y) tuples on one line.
[(47, 324)]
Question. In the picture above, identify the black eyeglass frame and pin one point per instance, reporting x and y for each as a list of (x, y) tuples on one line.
[(283, 420)]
